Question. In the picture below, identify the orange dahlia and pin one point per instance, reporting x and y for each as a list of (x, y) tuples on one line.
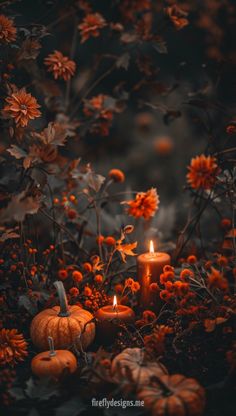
[(22, 107), (13, 346), (202, 172), (61, 66), (7, 30), (91, 25), (144, 205)]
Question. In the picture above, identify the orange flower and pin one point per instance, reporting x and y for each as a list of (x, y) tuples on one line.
[(177, 16), (191, 259), (22, 107), (202, 172), (91, 25), (98, 278), (61, 66), (97, 104), (217, 280), (110, 241), (87, 267), (77, 276), (7, 30), (185, 273), (144, 205), (116, 175), (13, 346), (87, 291), (135, 287), (74, 291), (129, 282)]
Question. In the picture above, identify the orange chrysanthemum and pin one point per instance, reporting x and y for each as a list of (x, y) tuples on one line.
[(22, 107), (61, 66), (13, 346), (144, 205), (7, 30), (91, 25), (202, 172)]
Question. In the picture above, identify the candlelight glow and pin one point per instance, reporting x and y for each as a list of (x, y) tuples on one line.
[(151, 247), (114, 302)]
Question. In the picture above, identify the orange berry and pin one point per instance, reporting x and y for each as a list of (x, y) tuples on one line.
[(154, 287), (191, 259), (77, 276), (87, 291), (74, 291), (98, 278), (110, 241), (56, 201), (72, 198), (62, 274), (116, 175), (185, 273), (87, 267), (168, 268), (88, 303), (71, 214), (99, 239)]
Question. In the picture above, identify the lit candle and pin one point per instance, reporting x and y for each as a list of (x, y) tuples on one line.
[(110, 319), (150, 266)]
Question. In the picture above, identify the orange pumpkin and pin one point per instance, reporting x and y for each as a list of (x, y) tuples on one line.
[(53, 363), (132, 359), (65, 324), (174, 395)]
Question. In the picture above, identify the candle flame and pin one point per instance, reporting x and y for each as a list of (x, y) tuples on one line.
[(114, 302), (151, 247)]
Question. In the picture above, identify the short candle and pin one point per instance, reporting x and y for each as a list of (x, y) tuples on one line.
[(110, 319), (150, 266)]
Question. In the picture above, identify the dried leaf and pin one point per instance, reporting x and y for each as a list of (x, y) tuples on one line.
[(126, 250), (18, 207), (16, 152)]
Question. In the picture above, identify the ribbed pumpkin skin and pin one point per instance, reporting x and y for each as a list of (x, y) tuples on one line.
[(63, 330), (132, 359), (187, 397), (44, 365)]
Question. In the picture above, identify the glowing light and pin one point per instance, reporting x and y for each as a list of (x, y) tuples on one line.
[(114, 302), (151, 247)]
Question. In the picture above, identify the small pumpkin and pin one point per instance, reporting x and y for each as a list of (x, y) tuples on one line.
[(53, 363), (65, 324), (174, 395), (132, 359)]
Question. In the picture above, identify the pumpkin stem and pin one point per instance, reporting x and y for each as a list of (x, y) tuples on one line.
[(52, 352), (64, 310)]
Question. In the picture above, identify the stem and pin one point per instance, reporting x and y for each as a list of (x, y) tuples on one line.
[(52, 352), (64, 309)]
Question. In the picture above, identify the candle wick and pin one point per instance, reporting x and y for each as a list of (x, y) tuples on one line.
[(115, 308)]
